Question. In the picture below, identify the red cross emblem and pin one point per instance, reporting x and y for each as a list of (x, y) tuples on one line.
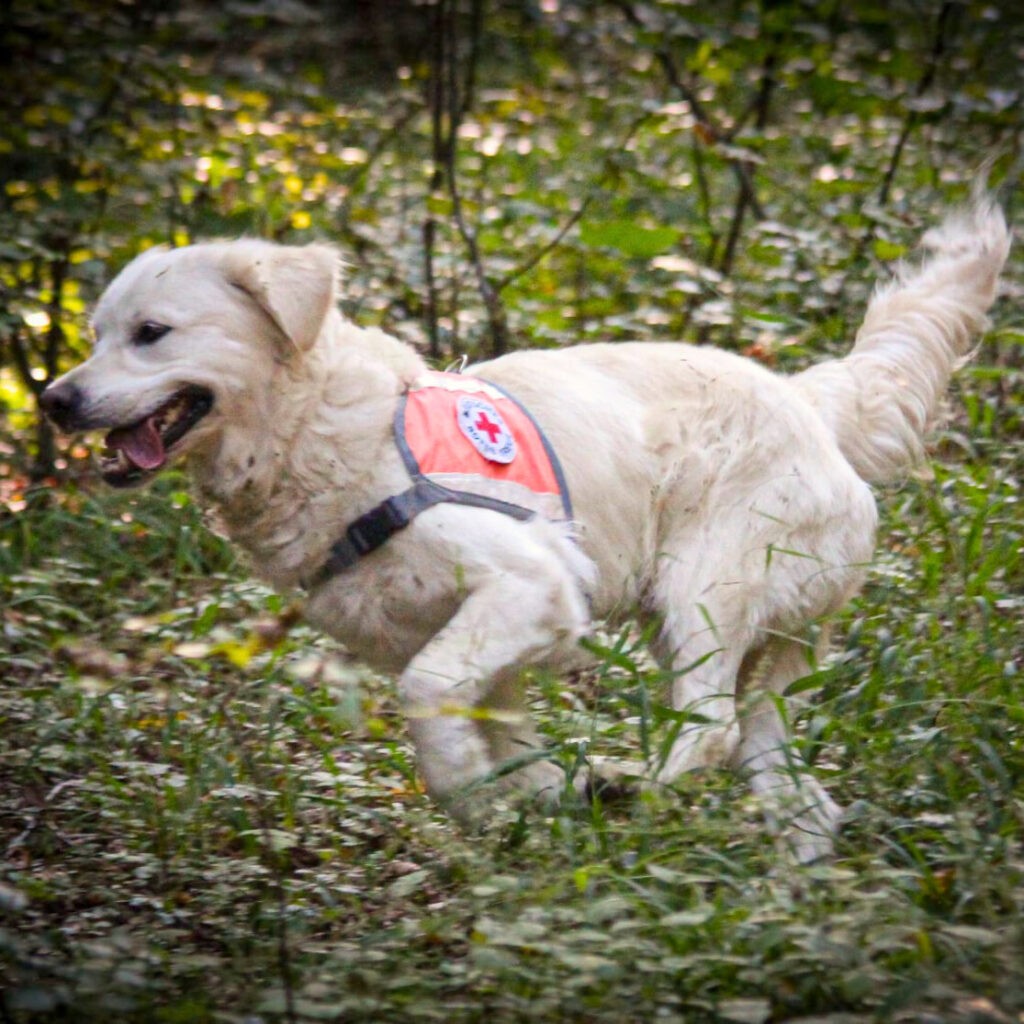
[(483, 426), (489, 427)]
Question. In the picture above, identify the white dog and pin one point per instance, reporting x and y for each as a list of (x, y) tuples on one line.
[(726, 502)]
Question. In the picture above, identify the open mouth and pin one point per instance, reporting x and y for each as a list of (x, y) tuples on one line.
[(140, 449)]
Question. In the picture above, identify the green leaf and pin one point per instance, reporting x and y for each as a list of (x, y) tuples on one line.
[(629, 238), (886, 250)]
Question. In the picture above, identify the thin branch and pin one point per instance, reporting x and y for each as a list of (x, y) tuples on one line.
[(709, 130), (445, 96), (431, 310), (926, 81), (492, 301), (438, 58), (923, 85), (476, 27), (456, 110), (529, 263), (363, 170), (435, 101), (745, 197), (55, 332), (491, 290), (668, 65), (700, 174), (20, 358)]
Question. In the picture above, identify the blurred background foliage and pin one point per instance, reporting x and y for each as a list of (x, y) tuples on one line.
[(498, 174), (207, 813)]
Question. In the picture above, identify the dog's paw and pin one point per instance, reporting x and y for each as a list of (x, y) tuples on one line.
[(596, 789), (807, 823), (608, 782), (507, 788), (808, 847)]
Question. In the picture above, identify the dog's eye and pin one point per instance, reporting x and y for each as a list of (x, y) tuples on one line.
[(148, 332)]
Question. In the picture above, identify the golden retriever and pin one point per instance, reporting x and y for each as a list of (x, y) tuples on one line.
[(726, 503)]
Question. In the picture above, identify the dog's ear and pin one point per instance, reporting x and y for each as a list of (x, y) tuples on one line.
[(294, 285)]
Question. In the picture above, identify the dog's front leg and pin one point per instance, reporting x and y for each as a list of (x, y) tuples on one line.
[(462, 691)]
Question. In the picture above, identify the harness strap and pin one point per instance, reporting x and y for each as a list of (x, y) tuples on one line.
[(374, 528), (447, 464)]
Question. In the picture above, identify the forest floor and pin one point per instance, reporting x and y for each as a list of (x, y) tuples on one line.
[(210, 814)]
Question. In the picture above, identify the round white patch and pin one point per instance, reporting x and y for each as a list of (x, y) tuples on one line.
[(486, 430)]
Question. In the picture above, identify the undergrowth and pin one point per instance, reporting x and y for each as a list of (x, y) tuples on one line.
[(211, 814), (208, 813)]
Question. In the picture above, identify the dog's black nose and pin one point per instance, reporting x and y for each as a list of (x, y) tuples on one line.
[(62, 403)]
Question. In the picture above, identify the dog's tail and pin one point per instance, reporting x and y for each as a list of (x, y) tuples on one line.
[(881, 399)]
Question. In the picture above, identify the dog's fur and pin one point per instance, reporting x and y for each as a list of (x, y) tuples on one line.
[(728, 503)]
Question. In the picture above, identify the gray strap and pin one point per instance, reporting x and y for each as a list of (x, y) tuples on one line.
[(371, 530)]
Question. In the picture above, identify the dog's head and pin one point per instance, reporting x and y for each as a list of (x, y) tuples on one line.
[(187, 344)]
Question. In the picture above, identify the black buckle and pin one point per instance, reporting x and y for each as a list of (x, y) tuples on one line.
[(371, 530)]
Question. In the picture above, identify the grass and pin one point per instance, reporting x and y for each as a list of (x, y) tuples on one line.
[(211, 815)]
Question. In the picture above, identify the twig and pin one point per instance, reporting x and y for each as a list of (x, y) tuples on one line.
[(476, 25), (492, 301), (531, 261), (55, 332), (923, 85), (19, 357), (668, 65), (446, 98), (745, 195), (704, 195), (528, 264), (430, 307), (710, 131), (375, 151), (435, 102)]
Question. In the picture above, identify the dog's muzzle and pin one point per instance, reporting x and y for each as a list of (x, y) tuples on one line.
[(62, 403), (137, 449)]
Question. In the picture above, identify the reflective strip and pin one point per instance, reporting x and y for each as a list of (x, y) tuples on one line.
[(507, 491)]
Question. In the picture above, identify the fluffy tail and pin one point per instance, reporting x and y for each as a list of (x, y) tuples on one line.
[(882, 398)]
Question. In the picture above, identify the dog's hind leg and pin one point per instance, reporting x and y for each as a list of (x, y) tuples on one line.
[(796, 805), (703, 642), (704, 692), (735, 694), (461, 691)]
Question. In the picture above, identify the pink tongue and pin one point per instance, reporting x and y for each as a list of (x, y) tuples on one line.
[(141, 444)]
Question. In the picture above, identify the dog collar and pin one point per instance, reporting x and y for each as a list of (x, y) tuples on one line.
[(463, 441)]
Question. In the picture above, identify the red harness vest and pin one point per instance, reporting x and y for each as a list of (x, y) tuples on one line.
[(464, 441), (472, 438)]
